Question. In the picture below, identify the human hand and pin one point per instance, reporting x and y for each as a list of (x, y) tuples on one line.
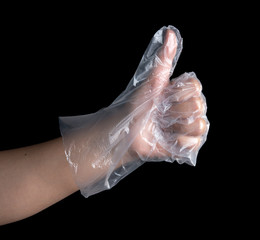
[(176, 126), (154, 119)]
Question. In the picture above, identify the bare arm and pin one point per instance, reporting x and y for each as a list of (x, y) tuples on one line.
[(32, 179)]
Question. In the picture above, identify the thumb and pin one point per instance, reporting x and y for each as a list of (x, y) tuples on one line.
[(160, 58), (162, 69)]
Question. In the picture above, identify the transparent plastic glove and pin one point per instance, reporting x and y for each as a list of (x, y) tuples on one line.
[(154, 119)]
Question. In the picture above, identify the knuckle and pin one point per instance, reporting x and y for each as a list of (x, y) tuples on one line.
[(188, 142), (198, 103), (196, 83), (200, 127)]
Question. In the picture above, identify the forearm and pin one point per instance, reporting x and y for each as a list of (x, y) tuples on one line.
[(32, 179)]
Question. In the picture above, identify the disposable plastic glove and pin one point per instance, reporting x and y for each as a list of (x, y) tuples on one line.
[(154, 119)]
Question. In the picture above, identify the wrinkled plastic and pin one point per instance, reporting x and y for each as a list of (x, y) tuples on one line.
[(152, 120)]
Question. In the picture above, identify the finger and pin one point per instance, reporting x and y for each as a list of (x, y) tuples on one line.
[(197, 128), (186, 112), (162, 62), (188, 143), (187, 148), (183, 89), (159, 59), (180, 146)]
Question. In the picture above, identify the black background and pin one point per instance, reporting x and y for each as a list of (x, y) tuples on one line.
[(62, 63)]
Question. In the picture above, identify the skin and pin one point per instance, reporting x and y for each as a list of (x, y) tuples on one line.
[(35, 177)]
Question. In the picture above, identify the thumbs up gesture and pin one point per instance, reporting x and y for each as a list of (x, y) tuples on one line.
[(155, 119)]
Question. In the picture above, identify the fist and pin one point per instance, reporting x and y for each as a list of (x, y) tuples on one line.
[(176, 124)]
